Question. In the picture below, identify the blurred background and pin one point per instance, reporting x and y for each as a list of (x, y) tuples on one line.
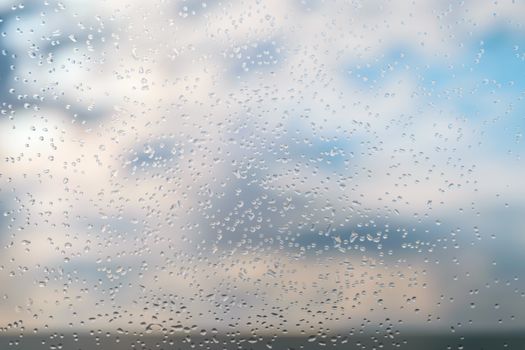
[(258, 174)]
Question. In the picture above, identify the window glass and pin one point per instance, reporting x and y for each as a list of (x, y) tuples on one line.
[(282, 174)]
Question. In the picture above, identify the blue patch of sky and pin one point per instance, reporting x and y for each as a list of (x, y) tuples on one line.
[(153, 155), (300, 142), (374, 236), (7, 58), (308, 5), (329, 151), (11, 59), (194, 8), (485, 85), (328, 154)]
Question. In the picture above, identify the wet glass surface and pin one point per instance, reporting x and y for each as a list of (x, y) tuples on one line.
[(262, 174)]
